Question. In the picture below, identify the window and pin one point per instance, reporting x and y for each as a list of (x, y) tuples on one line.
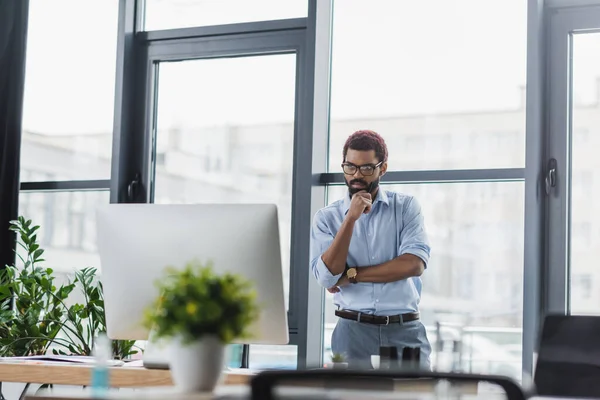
[(443, 97), (582, 182), (67, 226), (247, 121), (169, 14), (583, 205), (258, 148), (581, 285), (463, 281), (581, 234), (69, 89), (68, 124), (466, 238), (416, 85), (581, 135)]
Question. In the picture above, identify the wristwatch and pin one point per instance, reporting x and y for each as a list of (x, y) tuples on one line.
[(351, 274)]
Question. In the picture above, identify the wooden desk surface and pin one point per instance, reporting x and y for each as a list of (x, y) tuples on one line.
[(80, 375), (160, 393)]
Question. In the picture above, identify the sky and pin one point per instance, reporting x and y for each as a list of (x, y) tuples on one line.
[(389, 58)]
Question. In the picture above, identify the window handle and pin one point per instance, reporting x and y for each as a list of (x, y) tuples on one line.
[(133, 188), (551, 175)]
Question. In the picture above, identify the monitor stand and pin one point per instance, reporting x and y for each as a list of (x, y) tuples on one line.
[(156, 354)]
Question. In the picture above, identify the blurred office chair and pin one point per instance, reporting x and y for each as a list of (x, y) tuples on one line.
[(568, 362), (381, 384)]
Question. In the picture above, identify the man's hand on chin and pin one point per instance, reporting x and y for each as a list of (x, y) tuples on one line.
[(343, 281)]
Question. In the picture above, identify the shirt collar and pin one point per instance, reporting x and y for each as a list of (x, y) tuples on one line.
[(381, 197)]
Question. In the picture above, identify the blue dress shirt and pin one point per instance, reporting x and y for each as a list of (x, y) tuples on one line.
[(393, 227)]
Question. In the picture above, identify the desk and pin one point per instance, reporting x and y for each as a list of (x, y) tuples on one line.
[(159, 393), (80, 375)]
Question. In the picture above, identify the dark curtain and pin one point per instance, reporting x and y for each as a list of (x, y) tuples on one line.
[(13, 34)]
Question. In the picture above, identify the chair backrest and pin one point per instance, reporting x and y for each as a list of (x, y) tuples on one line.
[(313, 384), (568, 362)]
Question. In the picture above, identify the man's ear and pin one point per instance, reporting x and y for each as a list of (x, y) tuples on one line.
[(384, 167)]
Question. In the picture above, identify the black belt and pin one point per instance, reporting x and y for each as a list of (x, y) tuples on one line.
[(377, 319)]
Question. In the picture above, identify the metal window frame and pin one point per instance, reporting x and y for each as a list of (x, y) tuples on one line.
[(320, 19), (124, 57), (292, 36), (124, 160), (131, 122), (562, 25), (571, 3), (130, 90), (437, 176), (531, 175), (534, 224), (53, 186), (280, 25)]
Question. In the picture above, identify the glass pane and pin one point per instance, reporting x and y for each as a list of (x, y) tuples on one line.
[(225, 135), (273, 357), (69, 89), (585, 180), (473, 286), (450, 95), (67, 223), (171, 14)]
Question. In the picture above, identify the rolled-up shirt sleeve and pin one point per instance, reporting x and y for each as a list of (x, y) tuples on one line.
[(413, 237), (320, 240)]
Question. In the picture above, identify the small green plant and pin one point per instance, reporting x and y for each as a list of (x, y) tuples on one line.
[(196, 302), (337, 358), (34, 316)]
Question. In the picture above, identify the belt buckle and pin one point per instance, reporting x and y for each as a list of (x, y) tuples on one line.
[(387, 319)]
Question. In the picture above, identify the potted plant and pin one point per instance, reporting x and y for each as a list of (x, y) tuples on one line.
[(338, 361), (35, 315), (32, 308), (199, 312)]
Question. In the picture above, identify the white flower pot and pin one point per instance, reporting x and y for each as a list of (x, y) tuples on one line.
[(197, 366), (340, 365)]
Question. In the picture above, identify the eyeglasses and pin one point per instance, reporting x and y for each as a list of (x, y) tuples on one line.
[(365, 170)]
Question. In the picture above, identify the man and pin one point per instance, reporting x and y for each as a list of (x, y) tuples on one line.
[(370, 248)]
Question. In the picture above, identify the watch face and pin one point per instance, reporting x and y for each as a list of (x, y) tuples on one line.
[(352, 273)]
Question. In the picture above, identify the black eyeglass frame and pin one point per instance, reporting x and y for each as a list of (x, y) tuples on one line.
[(360, 168)]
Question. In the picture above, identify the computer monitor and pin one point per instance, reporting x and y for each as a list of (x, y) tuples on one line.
[(137, 241), (568, 362)]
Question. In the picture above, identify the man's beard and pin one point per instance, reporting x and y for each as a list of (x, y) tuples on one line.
[(368, 187)]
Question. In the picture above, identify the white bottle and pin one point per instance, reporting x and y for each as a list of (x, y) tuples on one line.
[(100, 375)]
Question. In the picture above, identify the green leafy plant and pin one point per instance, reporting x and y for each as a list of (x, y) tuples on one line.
[(34, 316), (32, 309), (196, 302), (87, 321), (337, 358)]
